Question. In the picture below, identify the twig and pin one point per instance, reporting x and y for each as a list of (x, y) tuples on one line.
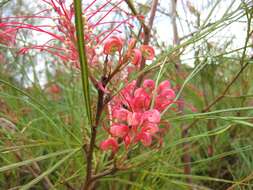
[(248, 178), (104, 173), (89, 154)]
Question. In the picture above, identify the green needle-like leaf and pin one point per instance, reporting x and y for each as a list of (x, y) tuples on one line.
[(82, 56), (47, 172)]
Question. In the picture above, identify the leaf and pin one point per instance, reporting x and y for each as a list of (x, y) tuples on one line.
[(82, 56), (47, 172), (26, 162)]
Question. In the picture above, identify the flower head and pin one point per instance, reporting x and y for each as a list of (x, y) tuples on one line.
[(119, 130), (145, 138), (152, 116), (109, 144), (148, 52), (112, 45), (134, 119), (149, 84), (136, 57)]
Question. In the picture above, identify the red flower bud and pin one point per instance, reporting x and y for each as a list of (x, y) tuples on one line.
[(136, 57), (148, 52), (119, 130), (112, 45), (145, 138), (108, 144)]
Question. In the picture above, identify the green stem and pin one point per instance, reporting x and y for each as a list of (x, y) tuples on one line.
[(82, 56)]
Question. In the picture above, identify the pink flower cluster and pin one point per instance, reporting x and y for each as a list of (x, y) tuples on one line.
[(135, 117)]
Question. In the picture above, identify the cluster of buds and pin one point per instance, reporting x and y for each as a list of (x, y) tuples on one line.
[(135, 55), (136, 114)]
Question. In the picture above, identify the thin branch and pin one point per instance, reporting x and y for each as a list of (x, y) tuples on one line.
[(104, 173)]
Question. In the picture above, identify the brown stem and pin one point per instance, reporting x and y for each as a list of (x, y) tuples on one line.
[(248, 178), (104, 173), (89, 154), (186, 158), (173, 22)]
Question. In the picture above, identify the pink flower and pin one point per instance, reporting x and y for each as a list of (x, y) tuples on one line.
[(168, 93), (152, 116), (149, 84), (120, 114), (140, 103), (109, 144), (119, 130), (135, 119), (136, 57), (161, 103), (127, 141), (163, 85), (131, 43), (151, 128), (145, 138), (140, 92), (112, 45), (148, 52), (141, 100)]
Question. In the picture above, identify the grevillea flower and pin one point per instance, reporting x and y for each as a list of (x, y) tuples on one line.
[(131, 43), (127, 141), (121, 114), (119, 130), (148, 52), (54, 89), (136, 57), (148, 84), (145, 138), (109, 144), (151, 128), (134, 118), (164, 85), (152, 116), (112, 45)]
